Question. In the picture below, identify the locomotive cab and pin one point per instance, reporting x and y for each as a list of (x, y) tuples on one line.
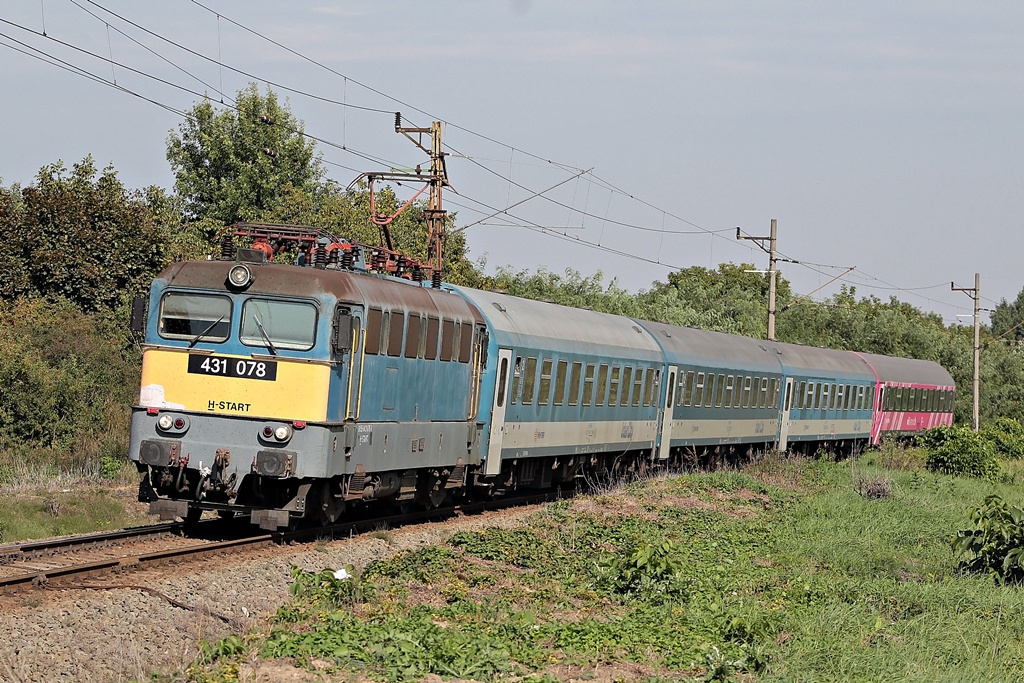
[(233, 408)]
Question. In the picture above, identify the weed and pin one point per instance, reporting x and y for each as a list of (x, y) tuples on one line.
[(875, 488), (384, 534), (648, 571), (997, 544)]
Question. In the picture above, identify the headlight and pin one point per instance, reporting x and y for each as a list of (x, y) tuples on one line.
[(240, 276), (283, 433), (165, 422)]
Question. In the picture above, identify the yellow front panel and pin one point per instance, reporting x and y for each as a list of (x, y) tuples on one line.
[(299, 391)]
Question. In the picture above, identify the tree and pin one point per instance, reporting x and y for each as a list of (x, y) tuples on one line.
[(241, 163), (80, 236), (253, 163), (1007, 319)]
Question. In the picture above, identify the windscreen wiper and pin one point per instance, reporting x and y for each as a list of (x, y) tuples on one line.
[(266, 337), (195, 340)]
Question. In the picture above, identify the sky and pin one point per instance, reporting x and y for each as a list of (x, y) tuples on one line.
[(885, 137)]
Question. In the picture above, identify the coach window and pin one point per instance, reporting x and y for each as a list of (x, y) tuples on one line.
[(729, 390), (517, 380), (638, 386), (800, 389), (502, 378), (670, 393), (709, 393), (688, 389), (653, 383), (763, 400), (544, 394), (602, 384), (412, 337), (588, 384), (529, 378), (613, 387), (772, 400), (745, 391), (574, 383), (720, 392), (627, 382), (560, 382), (196, 317), (274, 324), (698, 392), (840, 396)]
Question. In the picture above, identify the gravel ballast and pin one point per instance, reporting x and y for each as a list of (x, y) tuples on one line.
[(130, 628)]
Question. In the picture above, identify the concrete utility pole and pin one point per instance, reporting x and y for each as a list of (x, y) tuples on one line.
[(974, 293), (772, 270)]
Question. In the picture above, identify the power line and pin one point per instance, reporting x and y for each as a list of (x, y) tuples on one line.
[(220, 63), (290, 129)]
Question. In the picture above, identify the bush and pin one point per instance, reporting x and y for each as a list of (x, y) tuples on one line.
[(960, 452), (997, 545), (1007, 437), (68, 379)]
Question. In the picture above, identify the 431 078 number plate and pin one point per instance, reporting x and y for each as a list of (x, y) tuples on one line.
[(232, 367)]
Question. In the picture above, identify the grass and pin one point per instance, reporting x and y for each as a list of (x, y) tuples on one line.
[(782, 572), (41, 501)]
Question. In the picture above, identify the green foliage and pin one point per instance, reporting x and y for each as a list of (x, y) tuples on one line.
[(67, 380), (239, 163), (424, 565), (960, 452), (996, 545), (1006, 318), (1007, 437), (648, 572), (81, 237)]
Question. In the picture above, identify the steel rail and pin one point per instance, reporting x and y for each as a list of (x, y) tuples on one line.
[(132, 562)]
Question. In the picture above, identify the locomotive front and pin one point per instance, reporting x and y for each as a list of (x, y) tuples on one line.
[(237, 371)]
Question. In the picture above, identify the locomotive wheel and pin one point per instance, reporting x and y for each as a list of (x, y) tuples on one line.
[(328, 506)]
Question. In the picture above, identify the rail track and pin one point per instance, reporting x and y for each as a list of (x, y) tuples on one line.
[(53, 562)]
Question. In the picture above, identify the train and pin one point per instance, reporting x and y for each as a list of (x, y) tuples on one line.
[(291, 392)]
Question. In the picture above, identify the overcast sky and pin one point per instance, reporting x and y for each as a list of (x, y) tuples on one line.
[(886, 136)]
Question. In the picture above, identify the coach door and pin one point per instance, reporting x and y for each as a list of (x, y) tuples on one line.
[(497, 435), (665, 415), (784, 422)]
